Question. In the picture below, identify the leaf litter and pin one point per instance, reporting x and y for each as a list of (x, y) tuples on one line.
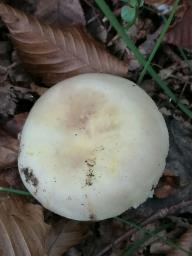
[(23, 228), (57, 53), (60, 12), (24, 232)]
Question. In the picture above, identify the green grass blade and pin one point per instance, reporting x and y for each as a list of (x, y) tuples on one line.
[(185, 58), (120, 30), (166, 241), (15, 191), (133, 248), (160, 39)]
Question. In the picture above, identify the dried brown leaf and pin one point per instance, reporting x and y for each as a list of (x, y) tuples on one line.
[(22, 229), (181, 33), (8, 150), (8, 102), (15, 125), (10, 178), (185, 242), (38, 89), (24, 232), (53, 53), (64, 235), (60, 12), (167, 184)]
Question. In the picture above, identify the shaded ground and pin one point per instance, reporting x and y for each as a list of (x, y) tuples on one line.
[(19, 91)]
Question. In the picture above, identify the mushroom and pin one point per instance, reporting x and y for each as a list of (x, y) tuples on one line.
[(93, 146)]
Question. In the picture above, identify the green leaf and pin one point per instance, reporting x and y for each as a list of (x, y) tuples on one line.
[(133, 3), (128, 14)]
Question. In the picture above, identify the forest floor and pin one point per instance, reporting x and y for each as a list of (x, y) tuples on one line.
[(163, 224)]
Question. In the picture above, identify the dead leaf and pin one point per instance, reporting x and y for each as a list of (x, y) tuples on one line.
[(10, 178), (53, 53), (4, 61), (24, 232), (64, 235), (167, 184), (40, 90), (60, 12), (8, 102), (181, 33), (185, 242), (22, 229), (8, 150), (15, 125), (159, 248)]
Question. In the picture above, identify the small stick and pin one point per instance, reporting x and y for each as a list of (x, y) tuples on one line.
[(159, 215)]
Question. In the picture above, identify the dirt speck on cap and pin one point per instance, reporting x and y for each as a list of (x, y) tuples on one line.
[(92, 214), (29, 176), (90, 174), (92, 217)]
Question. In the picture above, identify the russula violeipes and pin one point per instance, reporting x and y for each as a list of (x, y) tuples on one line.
[(93, 146)]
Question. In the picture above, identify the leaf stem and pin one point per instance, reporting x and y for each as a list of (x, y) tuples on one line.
[(15, 191)]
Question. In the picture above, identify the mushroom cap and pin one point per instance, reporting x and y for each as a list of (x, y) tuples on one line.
[(93, 146)]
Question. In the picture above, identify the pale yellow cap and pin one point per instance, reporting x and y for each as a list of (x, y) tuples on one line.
[(93, 146)]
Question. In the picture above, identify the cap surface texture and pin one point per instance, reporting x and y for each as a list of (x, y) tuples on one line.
[(93, 146)]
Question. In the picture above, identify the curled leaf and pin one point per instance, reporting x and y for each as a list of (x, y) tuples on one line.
[(53, 53), (167, 184)]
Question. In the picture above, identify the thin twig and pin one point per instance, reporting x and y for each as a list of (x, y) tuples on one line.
[(159, 215)]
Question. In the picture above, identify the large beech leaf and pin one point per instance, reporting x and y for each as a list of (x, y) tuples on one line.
[(22, 229), (24, 232), (53, 53)]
